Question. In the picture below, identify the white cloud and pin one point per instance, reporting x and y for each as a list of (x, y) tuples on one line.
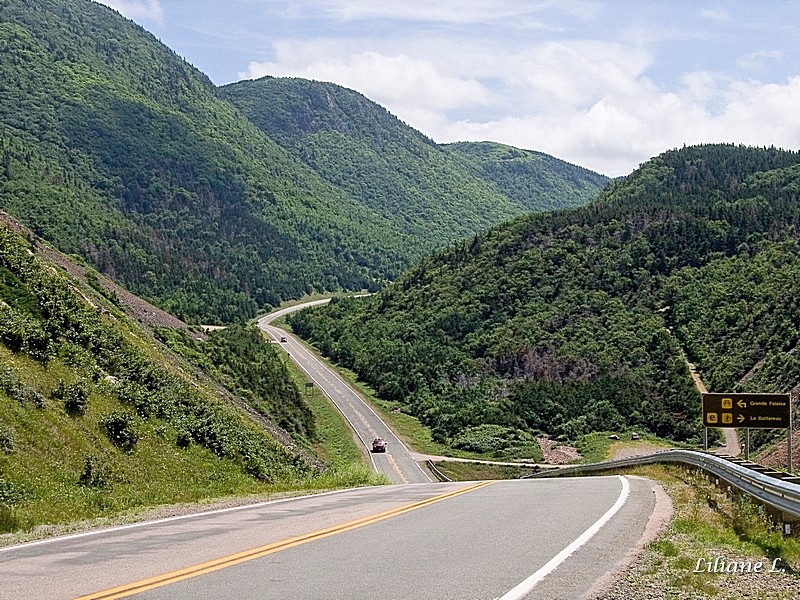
[(619, 132), (148, 10), (456, 73), (721, 15), (755, 61), (522, 12), (390, 80)]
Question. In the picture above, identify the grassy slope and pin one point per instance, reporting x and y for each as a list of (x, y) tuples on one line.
[(190, 443)]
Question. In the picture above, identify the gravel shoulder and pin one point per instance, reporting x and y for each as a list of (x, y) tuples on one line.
[(711, 548)]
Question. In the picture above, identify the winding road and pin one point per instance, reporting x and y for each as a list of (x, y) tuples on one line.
[(397, 463), (532, 538)]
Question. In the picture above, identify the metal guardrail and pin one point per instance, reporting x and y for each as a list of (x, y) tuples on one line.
[(774, 490), (439, 475)]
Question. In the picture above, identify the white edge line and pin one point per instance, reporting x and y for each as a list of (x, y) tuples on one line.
[(94, 532), (265, 325), (524, 588)]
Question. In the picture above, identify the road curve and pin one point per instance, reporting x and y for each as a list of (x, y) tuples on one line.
[(397, 463), (551, 538)]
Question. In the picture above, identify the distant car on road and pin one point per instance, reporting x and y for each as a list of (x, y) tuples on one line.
[(283, 339), (378, 445)]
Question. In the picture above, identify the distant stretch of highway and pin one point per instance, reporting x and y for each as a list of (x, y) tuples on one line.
[(397, 462)]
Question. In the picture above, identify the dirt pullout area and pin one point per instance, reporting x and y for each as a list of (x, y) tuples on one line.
[(634, 449), (556, 454)]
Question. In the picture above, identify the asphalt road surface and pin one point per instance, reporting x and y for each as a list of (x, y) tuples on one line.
[(397, 462), (547, 538)]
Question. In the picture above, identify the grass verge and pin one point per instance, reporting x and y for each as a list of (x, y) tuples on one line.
[(470, 471), (708, 524)]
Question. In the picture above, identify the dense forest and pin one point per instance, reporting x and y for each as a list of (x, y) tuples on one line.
[(535, 180), (439, 193), (114, 148), (582, 320)]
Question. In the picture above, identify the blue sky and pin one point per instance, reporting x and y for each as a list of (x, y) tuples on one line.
[(602, 84)]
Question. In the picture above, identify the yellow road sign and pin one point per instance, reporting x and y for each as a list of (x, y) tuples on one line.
[(765, 411)]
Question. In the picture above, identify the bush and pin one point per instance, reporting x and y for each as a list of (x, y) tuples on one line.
[(22, 334), (490, 439), (121, 429), (6, 439), (95, 474), (10, 494), (74, 396), (11, 385)]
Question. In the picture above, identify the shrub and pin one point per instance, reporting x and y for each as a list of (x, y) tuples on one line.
[(11, 385), (121, 429), (22, 334), (94, 474), (74, 396), (256, 467), (6, 439), (488, 439), (10, 494), (9, 382)]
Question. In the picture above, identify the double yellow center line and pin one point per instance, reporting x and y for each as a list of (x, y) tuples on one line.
[(144, 585)]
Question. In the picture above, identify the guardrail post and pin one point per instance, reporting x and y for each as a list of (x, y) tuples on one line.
[(789, 523)]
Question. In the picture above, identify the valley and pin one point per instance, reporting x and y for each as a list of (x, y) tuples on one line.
[(224, 295)]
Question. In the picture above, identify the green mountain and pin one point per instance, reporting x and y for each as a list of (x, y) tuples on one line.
[(97, 417), (537, 181), (114, 148), (581, 320), (437, 193)]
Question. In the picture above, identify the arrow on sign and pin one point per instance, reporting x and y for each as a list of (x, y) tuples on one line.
[(741, 404), (740, 418)]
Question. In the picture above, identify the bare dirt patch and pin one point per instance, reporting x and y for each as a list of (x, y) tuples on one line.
[(556, 454), (629, 450)]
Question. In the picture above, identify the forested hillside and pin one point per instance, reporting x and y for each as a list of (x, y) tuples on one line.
[(535, 180), (576, 321), (438, 193), (114, 148)]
